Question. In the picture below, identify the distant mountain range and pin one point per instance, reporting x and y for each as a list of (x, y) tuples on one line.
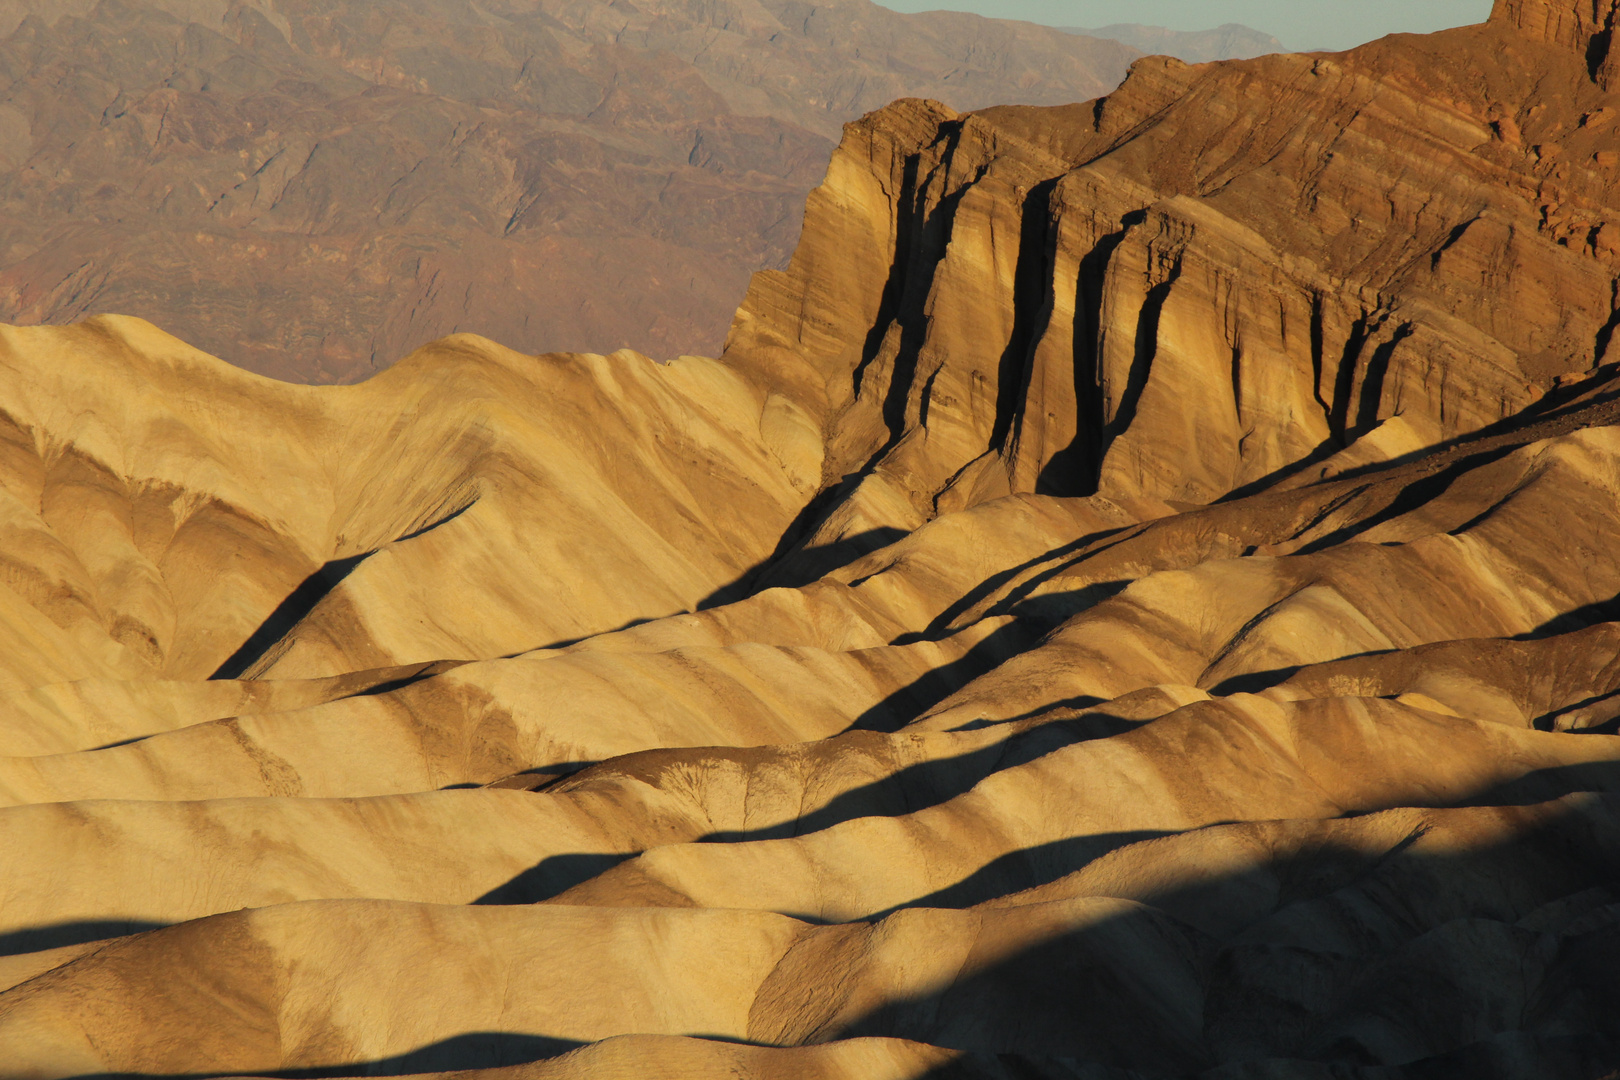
[(313, 188), (1232, 41)]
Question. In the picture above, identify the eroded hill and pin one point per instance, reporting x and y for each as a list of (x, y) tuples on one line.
[(1135, 599)]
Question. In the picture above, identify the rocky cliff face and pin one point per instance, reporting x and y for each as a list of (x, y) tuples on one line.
[(1213, 277), (313, 188), (1136, 599)]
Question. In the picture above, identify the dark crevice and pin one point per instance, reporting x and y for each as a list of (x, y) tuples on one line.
[(894, 287), (911, 314), (1605, 334), (1076, 468), (1147, 349), (1031, 278), (1319, 353), (1372, 383), (1452, 237), (920, 242), (1344, 379), (1597, 49)]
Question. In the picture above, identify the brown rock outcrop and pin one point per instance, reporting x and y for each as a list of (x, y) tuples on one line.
[(1135, 600)]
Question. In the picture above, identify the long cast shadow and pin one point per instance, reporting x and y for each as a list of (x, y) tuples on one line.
[(923, 693), (916, 787), (473, 1050), (83, 932), (933, 783), (1104, 995), (305, 598), (288, 614)]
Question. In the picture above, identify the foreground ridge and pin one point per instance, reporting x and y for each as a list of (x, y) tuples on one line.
[(1134, 599)]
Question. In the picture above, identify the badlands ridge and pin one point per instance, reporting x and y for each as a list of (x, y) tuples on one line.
[(1133, 600)]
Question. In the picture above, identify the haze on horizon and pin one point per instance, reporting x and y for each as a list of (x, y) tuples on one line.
[(1300, 24)]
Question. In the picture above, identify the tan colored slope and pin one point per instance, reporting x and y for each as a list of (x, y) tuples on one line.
[(164, 504), (1222, 621), (90, 869), (361, 745), (289, 977), (480, 722), (1256, 759), (1135, 600)]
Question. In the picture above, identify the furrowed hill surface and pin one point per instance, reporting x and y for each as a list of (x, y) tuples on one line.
[(311, 189), (1135, 598)]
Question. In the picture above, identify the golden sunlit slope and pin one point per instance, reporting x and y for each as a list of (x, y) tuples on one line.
[(1135, 600)]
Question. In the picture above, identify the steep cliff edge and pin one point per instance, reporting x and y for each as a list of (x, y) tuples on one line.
[(1212, 276)]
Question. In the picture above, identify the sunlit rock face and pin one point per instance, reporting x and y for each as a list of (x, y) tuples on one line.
[(1132, 600)]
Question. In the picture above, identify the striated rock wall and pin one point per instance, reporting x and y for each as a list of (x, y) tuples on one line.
[(1206, 278)]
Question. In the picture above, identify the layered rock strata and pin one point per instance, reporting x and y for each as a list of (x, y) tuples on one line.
[(1134, 600)]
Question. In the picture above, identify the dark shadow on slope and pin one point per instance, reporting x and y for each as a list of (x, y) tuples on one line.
[(1587, 615), (1032, 278), (1147, 350), (1028, 869), (1305, 957), (1604, 704), (921, 238), (1333, 444), (473, 1050), (1053, 609), (288, 614), (1109, 726), (1545, 785), (1141, 986), (564, 643), (932, 783), (410, 678), (933, 687), (59, 935), (1253, 682), (551, 876), (1003, 578), (905, 791), (1075, 470), (808, 517), (1414, 496), (802, 566), (1561, 411), (1372, 383), (305, 598)]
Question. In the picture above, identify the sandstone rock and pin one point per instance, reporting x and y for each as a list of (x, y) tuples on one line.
[(1136, 599)]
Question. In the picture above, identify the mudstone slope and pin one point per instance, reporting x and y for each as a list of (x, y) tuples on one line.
[(314, 188), (1134, 599)]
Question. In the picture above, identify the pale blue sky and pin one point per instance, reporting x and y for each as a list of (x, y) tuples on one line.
[(1300, 24)]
